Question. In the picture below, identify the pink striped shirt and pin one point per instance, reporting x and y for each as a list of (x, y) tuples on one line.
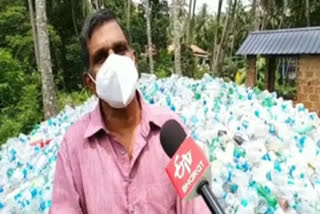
[(94, 174)]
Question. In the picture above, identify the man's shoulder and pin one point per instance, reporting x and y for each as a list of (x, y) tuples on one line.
[(76, 131), (162, 114)]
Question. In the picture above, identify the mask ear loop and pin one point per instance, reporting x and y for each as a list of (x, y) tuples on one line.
[(91, 78)]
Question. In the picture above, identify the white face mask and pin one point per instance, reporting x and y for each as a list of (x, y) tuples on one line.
[(116, 81)]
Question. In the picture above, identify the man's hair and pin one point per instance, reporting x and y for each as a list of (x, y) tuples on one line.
[(93, 22)]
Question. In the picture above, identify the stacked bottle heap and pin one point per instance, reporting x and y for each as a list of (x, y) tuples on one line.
[(264, 151)]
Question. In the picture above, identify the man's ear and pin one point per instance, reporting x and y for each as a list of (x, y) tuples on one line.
[(135, 57), (87, 81)]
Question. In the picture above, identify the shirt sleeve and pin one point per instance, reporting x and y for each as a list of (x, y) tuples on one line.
[(65, 198)]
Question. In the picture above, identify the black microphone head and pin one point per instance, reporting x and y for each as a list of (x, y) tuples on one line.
[(171, 136)]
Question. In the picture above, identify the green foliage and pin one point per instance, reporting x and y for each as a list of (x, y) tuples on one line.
[(72, 99), (231, 66), (12, 22), (29, 108), (160, 20), (22, 47), (287, 92), (201, 70), (118, 7), (73, 68), (188, 61), (20, 89), (22, 100), (137, 30), (204, 29), (143, 66), (164, 64), (9, 128), (261, 69), (11, 80)]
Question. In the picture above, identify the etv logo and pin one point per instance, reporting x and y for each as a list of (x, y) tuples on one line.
[(182, 165)]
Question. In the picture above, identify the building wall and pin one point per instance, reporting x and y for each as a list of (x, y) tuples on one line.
[(308, 90)]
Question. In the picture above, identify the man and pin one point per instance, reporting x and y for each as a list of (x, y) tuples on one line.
[(111, 160)]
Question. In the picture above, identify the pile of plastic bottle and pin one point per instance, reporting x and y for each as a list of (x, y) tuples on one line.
[(264, 152)]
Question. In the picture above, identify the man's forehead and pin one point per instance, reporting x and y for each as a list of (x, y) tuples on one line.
[(105, 36)]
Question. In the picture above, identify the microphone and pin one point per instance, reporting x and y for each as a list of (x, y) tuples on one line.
[(188, 169)]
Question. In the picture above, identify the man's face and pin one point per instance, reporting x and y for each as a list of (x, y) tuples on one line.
[(106, 39)]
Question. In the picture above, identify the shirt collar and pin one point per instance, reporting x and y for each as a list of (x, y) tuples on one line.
[(96, 122), (149, 121)]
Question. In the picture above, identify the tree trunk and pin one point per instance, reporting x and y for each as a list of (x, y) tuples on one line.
[(48, 88), (176, 37), (217, 61), (215, 43), (192, 18), (254, 12), (128, 19), (101, 3), (34, 32), (308, 12), (255, 15), (189, 22), (74, 19), (283, 13), (234, 29), (89, 6), (149, 35), (232, 21), (97, 5), (264, 20)]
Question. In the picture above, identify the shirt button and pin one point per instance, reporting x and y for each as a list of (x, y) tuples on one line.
[(131, 210), (122, 152)]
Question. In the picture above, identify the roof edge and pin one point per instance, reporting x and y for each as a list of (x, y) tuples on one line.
[(315, 28)]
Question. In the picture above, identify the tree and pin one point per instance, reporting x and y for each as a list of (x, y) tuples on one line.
[(308, 12), (34, 31), (273, 13), (191, 16), (97, 4), (89, 6), (128, 18), (73, 18), (189, 22), (150, 48), (218, 58), (255, 15), (234, 24), (215, 44), (48, 88), (177, 31), (204, 28)]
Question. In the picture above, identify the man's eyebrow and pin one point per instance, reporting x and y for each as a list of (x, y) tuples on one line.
[(120, 43)]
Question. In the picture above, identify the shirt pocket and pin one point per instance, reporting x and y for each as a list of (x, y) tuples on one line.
[(160, 198)]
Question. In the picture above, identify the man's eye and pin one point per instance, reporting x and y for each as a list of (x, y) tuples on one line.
[(121, 50), (101, 59)]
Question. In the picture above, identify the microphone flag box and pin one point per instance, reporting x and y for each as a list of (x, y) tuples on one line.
[(187, 168)]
